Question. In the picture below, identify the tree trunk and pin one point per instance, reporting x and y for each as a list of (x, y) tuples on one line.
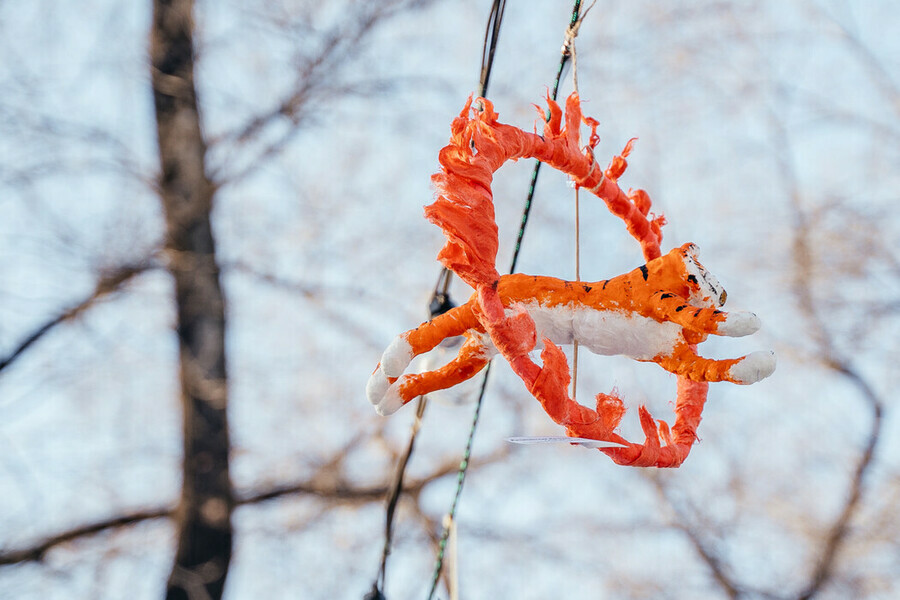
[(204, 512)]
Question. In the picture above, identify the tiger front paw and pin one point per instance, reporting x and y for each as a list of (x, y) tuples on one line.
[(754, 367), (739, 324)]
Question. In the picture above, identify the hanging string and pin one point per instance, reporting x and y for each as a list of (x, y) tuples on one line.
[(460, 479), (464, 463), (440, 298), (577, 278), (571, 34), (563, 60), (491, 35), (439, 304)]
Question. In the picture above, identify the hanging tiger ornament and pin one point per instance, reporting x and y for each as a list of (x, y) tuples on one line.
[(657, 313)]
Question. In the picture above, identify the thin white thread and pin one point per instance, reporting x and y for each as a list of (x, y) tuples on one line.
[(596, 188), (571, 34)]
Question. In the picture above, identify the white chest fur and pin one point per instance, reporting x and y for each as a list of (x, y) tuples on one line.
[(605, 332)]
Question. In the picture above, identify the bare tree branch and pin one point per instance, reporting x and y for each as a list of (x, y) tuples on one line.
[(108, 283), (837, 536), (57, 130), (323, 297), (316, 79), (321, 485), (829, 355), (307, 289), (37, 551), (880, 76), (682, 522)]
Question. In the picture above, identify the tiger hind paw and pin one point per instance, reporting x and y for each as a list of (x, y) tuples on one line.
[(739, 324), (390, 403), (383, 394), (754, 367)]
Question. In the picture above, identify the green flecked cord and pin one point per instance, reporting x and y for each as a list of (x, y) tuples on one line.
[(464, 463)]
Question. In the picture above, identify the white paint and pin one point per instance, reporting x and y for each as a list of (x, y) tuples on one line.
[(377, 386), (605, 332), (382, 394), (390, 402), (754, 367), (711, 291), (739, 324), (397, 357)]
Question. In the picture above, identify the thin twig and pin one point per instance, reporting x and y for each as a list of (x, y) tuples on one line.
[(837, 536), (804, 259), (339, 491), (314, 82), (713, 562), (108, 283)]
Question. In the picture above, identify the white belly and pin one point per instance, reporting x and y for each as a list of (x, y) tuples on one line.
[(605, 332)]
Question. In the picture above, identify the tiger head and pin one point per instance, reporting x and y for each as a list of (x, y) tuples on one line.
[(705, 289)]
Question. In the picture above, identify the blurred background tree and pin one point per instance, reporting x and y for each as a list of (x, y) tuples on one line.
[(768, 135)]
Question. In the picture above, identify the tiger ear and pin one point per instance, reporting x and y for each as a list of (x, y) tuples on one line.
[(690, 250)]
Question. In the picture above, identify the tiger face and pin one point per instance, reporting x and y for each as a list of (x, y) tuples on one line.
[(705, 288)]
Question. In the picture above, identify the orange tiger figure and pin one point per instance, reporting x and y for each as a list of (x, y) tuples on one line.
[(656, 313)]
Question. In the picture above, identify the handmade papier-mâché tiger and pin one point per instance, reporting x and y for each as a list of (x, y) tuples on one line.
[(654, 313), (659, 312)]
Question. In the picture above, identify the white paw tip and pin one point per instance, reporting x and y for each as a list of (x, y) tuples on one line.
[(397, 357), (756, 366), (390, 402), (377, 386), (738, 324)]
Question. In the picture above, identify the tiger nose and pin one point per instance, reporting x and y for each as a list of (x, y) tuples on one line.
[(723, 297)]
